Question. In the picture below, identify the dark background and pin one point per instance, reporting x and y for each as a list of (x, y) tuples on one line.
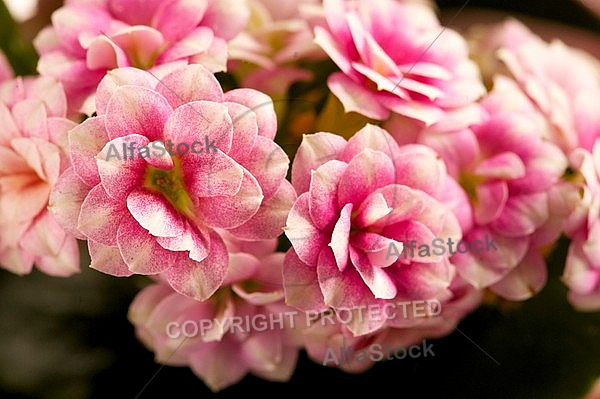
[(70, 338)]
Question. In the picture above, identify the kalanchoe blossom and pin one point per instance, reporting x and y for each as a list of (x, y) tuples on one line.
[(219, 349), (147, 205), (33, 142), (512, 175), (582, 269), (545, 72), (266, 54), (88, 38), (358, 202), (378, 61)]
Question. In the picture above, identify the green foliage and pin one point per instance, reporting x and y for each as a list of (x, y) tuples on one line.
[(20, 54)]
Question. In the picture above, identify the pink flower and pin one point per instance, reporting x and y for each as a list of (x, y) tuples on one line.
[(86, 39), (276, 39), (512, 174), (358, 202), (33, 142), (582, 269), (386, 69), (544, 72), (167, 165), (243, 328)]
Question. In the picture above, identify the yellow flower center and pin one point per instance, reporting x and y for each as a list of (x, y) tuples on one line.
[(171, 184)]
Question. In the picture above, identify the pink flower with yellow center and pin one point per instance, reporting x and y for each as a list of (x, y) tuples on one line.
[(145, 205)]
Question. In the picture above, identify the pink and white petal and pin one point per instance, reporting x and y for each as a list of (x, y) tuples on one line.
[(160, 157), (423, 112), (212, 175), (140, 251), (190, 83), (65, 263), (271, 217), (155, 214), (120, 77), (245, 132), (522, 215), (377, 248), (9, 128), (314, 151), (58, 133), (373, 209), (261, 105), (300, 284), (306, 238), (86, 140), (16, 260), (323, 203), (228, 212), (525, 280), (341, 289), (380, 283), (490, 265), (66, 199), (340, 236), (140, 44), (356, 98), (579, 275), (44, 237), (196, 42), (268, 163), (422, 280), (107, 259), (28, 192), (226, 18), (120, 176), (67, 22), (367, 172), (373, 137), (100, 216), (177, 18), (242, 267), (30, 116), (136, 110), (194, 240), (419, 167), (43, 157), (490, 202), (215, 58), (217, 364), (104, 54), (200, 121), (585, 303), (506, 165), (199, 280)]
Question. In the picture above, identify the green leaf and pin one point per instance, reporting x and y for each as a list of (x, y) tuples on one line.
[(20, 54)]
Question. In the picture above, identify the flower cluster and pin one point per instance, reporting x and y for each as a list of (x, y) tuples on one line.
[(180, 170)]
